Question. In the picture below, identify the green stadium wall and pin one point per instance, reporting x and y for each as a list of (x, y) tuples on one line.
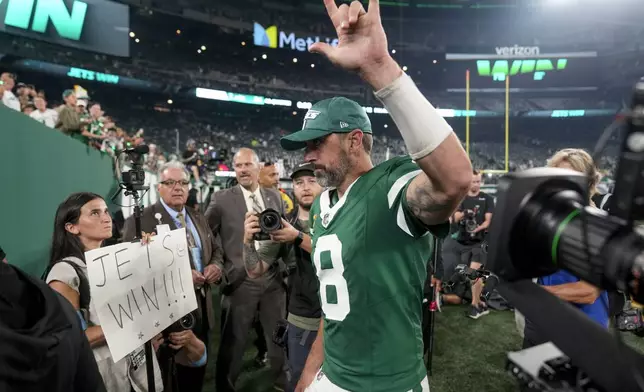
[(39, 168)]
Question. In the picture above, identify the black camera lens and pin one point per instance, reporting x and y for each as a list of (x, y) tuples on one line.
[(188, 321), (270, 220)]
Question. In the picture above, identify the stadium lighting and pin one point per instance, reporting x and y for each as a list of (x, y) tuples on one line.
[(198, 50), (132, 35), (294, 113), (404, 68), (393, 51), (386, 126), (170, 102), (435, 61), (178, 32), (264, 56), (254, 58), (203, 47), (294, 60), (137, 40), (312, 65), (243, 43)]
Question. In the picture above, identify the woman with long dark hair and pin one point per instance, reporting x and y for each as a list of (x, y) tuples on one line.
[(83, 223)]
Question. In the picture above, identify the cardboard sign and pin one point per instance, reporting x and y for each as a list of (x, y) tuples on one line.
[(139, 290)]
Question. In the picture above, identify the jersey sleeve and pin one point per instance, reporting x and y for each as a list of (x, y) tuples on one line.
[(400, 175)]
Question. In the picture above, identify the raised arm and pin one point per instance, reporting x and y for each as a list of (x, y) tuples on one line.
[(434, 194)]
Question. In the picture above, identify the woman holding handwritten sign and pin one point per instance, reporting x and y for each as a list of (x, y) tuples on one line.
[(82, 223)]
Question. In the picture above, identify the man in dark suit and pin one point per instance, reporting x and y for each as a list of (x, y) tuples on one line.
[(206, 257), (242, 296)]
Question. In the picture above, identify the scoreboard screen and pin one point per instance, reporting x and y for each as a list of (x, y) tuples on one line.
[(528, 71)]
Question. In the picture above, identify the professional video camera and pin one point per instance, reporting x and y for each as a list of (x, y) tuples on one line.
[(543, 224), (134, 179), (269, 221)]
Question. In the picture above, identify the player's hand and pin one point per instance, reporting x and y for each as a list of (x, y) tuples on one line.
[(287, 234), (306, 379), (197, 278), (212, 273), (251, 227), (362, 43)]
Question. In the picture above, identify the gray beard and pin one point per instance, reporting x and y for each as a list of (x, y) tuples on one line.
[(335, 177)]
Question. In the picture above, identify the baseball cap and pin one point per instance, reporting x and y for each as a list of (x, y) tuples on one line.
[(333, 115), (303, 168), (20, 85), (67, 93)]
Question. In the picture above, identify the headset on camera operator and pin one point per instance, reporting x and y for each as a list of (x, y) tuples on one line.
[(473, 218), (292, 244)]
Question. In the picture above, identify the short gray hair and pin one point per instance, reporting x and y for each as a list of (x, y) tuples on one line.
[(173, 165), (253, 153)]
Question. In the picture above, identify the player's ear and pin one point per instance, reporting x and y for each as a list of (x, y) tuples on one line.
[(355, 139)]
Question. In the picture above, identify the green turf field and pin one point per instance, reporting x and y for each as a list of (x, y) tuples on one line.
[(469, 355)]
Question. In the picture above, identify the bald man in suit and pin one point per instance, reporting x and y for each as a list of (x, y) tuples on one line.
[(242, 296)]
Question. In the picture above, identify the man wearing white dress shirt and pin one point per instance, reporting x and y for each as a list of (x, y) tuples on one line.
[(242, 296)]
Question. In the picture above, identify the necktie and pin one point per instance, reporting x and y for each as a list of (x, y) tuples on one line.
[(191, 240), (256, 206)]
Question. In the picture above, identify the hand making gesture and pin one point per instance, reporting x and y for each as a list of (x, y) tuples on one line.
[(362, 42)]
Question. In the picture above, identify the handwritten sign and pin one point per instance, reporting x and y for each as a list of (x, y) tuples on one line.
[(139, 290)]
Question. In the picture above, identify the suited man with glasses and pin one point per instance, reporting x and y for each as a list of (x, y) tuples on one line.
[(206, 257)]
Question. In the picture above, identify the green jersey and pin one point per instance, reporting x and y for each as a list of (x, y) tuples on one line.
[(370, 255)]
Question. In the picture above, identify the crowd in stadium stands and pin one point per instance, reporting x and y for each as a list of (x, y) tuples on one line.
[(85, 120)]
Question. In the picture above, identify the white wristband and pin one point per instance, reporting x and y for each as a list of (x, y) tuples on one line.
[(421, 126)]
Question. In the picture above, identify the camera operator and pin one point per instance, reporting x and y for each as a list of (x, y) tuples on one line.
[(191, 159), (293, 245), (473, 217)]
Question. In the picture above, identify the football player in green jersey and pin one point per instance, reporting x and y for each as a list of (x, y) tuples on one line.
[(369, 229)]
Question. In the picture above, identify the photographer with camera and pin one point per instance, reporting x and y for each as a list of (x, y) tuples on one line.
[(179, 345), (292, 244), (242, 296), (473, 217)]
